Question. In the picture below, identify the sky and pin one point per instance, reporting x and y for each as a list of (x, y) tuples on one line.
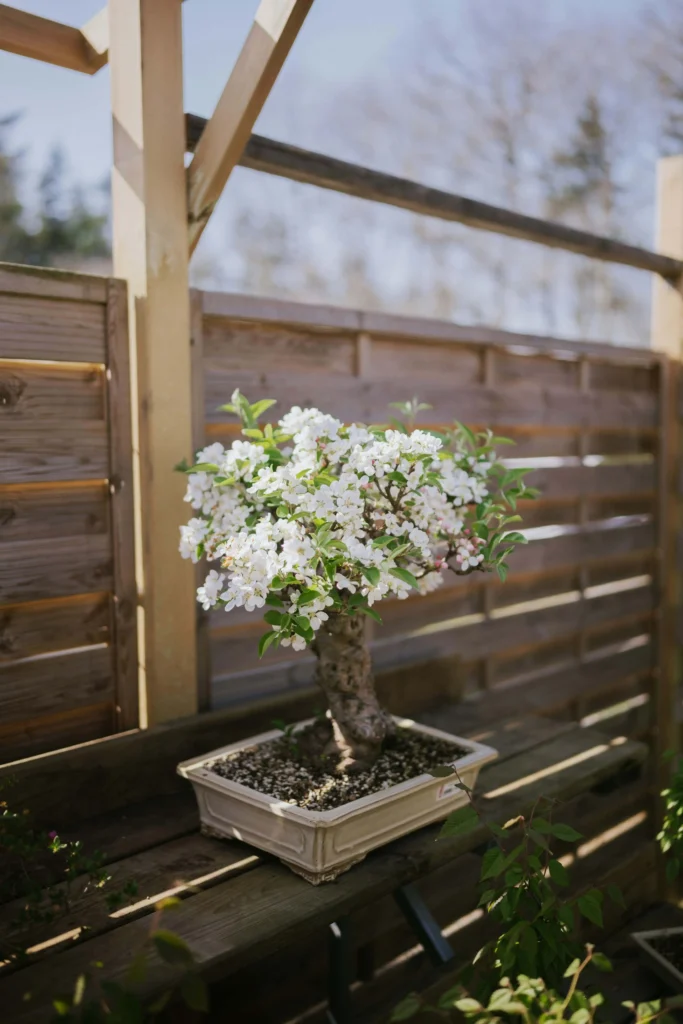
[(341, 43)]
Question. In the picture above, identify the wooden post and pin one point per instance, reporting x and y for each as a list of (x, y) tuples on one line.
[(151, 253), (667, 337)]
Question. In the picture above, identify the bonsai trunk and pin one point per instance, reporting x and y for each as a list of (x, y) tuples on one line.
[(357, 726)]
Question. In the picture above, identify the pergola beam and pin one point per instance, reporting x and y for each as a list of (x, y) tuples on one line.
[(227, 132), (29, 35), (285, 161)]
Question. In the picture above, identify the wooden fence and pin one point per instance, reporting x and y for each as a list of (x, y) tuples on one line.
[(573, 629), (68, 651)]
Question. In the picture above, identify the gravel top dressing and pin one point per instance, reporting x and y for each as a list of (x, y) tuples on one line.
[(274, 769)]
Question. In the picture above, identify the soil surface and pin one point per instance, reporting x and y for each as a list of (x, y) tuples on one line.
[(671, 948), (281, 770)]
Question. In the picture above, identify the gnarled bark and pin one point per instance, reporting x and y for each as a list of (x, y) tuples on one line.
[(359, 726)]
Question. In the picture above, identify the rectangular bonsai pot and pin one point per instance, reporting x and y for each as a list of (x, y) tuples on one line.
[(658, 963), (319, 845)]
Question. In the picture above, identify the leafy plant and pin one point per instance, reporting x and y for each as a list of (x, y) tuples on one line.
[(522, 883), (670, 836), (96, 1000), (532, 1001)]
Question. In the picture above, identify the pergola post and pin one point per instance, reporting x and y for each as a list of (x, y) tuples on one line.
[(151, 253), (667, 337)]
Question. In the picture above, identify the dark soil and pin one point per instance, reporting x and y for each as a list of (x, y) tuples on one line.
[(671, 948), (281, 770)]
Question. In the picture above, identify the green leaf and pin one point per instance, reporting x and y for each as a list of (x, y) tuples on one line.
[(253, 432), (491, 863), (264, 643), (307, 597), (403, 574), (274, 601), (137, 971), (581, 1016), (468, 1005), (371, 574), (672, 869), (258, 408), (273, 617), (566, 833), (573, 968), (194, 993), (442, 771), (616, 895), (461, 822), (171, 947), (371, 613), (282, 512), (558, 873), (204, 467), (502, 571), (601, 962), (159, 1004), (407, 1008), (537, 838), (61, 1007), (590, 909)]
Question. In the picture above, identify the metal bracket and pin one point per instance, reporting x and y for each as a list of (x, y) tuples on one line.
[(422, 921), (341, 970)]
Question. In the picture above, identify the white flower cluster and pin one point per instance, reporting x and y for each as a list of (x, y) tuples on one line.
[(317, 516)]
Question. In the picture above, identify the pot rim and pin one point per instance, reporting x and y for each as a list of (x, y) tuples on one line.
[(196, 770)]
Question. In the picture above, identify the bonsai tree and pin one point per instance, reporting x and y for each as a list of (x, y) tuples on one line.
[(318, 522)]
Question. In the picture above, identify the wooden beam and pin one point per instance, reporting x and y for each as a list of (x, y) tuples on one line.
[(667, 337), (50, 41), (270, 157), (150, 251), (96, 34), (225, 135)]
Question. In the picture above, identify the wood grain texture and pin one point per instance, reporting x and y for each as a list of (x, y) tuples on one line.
[(55, 329), (197, 354), (368, 401), (45, 686), (34, 735), (124, 637), (43, 282), (50, 41), (43, 627), (36, 570), (53, 448), (37, 511), (34, 393)]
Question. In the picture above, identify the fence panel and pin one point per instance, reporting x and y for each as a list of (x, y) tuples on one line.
[(572, 632), (68, 654)]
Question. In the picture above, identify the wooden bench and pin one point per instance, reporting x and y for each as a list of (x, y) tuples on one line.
[(239, 907)]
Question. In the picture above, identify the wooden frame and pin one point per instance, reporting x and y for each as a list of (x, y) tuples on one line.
[(224, 136), (52, 42)]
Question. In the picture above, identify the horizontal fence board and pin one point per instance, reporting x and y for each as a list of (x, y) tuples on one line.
[(231, 346), (33, 392), (44, 686), (52, 732), (567, 482), (233, 307), (390, 359), (40, 627), (441, 640), (52, 329), (368, 401), (51, 449), (33, 512), (41, 282), (36, 570)]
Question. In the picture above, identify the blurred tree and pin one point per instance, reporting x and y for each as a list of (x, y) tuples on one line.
[(64, 229)]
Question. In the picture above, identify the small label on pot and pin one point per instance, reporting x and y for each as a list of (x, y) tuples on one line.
[(448, 789)]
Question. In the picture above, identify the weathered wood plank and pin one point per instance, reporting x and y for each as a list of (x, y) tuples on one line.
[(34, 736), (43, 627), (310, 168), (30, 393), (124, 601), (52, 448), (37, 570), (571, 482), (37, 511), (43, 282), (41, 328), (368, 401), (43, 686), (265, 909), (233, 345)]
